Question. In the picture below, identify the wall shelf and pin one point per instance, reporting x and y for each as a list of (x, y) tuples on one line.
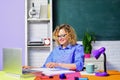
[(38, 20)]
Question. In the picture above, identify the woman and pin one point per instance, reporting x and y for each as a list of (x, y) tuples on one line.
[(68, 54)]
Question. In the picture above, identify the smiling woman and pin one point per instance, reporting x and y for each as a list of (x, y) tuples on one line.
[(66, 31), (68, 54)]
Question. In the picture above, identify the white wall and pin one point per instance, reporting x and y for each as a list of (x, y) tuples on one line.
[(112, 53), (11, 26)]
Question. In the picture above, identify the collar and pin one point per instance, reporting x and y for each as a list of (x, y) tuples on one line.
[(67, 47)]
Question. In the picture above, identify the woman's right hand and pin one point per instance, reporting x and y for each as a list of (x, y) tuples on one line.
[(51, 65)]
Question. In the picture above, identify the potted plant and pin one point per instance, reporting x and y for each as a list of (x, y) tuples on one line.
[(87, 43)]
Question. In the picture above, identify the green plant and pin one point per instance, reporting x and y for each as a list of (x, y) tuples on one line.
[(87, 42)]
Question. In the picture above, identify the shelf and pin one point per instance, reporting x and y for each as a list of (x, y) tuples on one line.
[(38, 20), (40, 46), (38, 27)]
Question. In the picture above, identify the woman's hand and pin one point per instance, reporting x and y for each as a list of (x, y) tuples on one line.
[(26, 67), (51, 65), (62, 65)]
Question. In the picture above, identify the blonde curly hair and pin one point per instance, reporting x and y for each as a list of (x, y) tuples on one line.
[(70, 32)]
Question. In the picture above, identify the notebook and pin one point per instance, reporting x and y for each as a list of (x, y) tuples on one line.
[(52, 71)]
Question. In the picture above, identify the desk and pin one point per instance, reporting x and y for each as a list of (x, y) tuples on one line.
[(113, 75), (4, 76)]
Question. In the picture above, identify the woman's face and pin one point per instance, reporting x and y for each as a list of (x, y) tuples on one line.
[(62, 37)]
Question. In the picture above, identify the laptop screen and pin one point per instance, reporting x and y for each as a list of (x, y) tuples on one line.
[(12, 60)]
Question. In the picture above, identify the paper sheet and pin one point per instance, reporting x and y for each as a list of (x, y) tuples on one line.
[(52, 71)]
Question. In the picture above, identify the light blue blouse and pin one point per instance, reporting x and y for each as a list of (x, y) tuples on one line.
[(70, 54)]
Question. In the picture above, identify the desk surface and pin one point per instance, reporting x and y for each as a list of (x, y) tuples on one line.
[(4, 76), (113, 75)]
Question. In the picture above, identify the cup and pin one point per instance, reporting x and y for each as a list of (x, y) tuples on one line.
[(90, 67)]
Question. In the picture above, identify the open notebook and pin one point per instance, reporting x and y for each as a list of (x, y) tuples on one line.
[(52, 71)]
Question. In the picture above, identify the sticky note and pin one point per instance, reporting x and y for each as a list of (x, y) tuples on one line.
[(83, 78)]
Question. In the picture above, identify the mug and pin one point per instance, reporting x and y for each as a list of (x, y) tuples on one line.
[(90, 67)]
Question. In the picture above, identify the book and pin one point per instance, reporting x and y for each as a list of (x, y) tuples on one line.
[(44, 11)]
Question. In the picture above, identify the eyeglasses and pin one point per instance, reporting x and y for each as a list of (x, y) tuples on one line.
[(62, 36)]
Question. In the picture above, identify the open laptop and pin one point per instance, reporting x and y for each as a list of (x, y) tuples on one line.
[(12, 62)]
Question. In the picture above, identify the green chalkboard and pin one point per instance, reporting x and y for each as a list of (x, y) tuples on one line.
[(99, 16)]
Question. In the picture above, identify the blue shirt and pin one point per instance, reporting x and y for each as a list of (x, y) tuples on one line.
[(70, 54)]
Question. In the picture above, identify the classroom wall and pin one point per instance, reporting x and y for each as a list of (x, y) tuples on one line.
[(12, 33), (112, 53), (11, 25), (99, 16)]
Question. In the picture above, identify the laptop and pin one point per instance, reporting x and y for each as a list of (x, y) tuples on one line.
[(12, 62)]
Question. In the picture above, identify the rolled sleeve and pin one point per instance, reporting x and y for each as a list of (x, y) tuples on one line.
[(79, 58)]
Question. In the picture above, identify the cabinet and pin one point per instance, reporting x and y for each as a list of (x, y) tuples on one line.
[(38, 31), (99, 63)]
